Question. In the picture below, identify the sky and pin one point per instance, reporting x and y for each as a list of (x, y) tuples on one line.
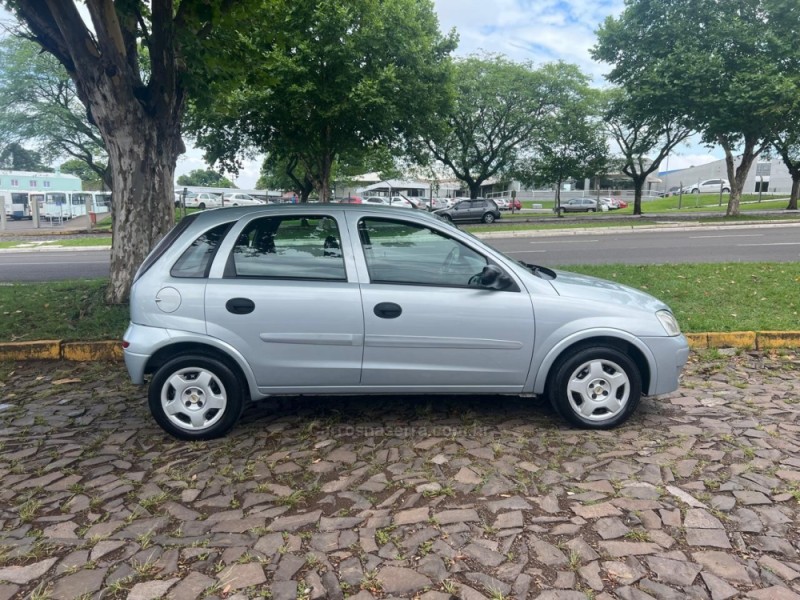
[(537, 30)]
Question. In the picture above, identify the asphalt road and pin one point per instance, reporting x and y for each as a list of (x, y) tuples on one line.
[(742, 244)]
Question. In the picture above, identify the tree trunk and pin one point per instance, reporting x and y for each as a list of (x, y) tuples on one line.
[(474, 189), (795, 190), (738, 175), (638, 185), (557, 199), (142, 200)]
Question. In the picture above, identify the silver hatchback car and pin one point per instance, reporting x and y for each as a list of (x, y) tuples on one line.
[(238, 304)]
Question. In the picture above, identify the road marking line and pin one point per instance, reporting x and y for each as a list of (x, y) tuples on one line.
[(566, 242), (773, 244), (700, 237)]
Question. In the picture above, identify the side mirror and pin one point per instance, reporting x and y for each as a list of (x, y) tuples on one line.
[(492, 277)]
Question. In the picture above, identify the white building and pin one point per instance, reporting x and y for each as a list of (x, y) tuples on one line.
[(773, 173)]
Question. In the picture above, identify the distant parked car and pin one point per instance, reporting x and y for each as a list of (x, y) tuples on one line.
[(708, 186), (203, 200), (611, 203), (579, 205), (479, 209), (240, 199)]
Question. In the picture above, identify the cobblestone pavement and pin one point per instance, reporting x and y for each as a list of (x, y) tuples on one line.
[(696, 497)]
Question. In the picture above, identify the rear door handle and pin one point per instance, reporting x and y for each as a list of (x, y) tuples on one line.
[(387, 310), (240, 306)]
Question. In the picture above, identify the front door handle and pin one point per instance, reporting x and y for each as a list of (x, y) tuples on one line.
[(387, 310), (240, 306)]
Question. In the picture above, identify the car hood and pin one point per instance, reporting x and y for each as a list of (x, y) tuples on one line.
[(575, 285)]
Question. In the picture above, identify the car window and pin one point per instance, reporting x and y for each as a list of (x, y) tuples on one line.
[(196, 259), (410, 253), (289, 247)]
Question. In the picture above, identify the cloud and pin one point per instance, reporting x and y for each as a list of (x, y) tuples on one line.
[(538, 30)]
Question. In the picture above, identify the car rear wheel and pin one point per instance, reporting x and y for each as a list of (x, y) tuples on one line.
[(447, 218), (592, 210), (488, 218), (195, 397), (202, 206), (595, 388), (726, 190)]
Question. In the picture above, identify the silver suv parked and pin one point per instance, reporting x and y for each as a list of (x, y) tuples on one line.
[(238, 304)]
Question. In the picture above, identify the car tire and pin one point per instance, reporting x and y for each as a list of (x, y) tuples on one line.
[(202, 206), (213, 397), (694, 191), (488, 218), (595, 388), (447, 218), (726, 190), (592, 210)]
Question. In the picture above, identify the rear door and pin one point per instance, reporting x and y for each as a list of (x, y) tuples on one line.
[(285, 301)]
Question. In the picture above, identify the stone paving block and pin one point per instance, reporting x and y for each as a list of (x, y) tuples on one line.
[(519, 508)]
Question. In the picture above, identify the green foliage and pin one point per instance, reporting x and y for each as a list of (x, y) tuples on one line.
[(205, 178), (500, 108), (80, 169), (639, 132), (573, 145), (39, 106), (714, 64), (337, 79), (15, 156)]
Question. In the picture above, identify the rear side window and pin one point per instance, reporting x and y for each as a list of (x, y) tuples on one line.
[(165, 243), (196, 261), (289, 247)]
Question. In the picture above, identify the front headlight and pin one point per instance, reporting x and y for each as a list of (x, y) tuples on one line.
[(669, 322)]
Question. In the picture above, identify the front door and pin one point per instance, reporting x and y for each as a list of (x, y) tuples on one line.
[(427, 326)]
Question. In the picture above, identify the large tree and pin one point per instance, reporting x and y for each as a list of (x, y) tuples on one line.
[(573, 144), (39, 106), (644, 139), (205, 178), (705, 59), (17, 157), (137, 110), (336, 79), (499, 107)]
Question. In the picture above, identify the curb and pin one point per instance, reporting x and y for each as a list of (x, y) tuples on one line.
[(60, 350), (110, 350)]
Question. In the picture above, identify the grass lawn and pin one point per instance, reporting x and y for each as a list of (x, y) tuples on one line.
[(704, 297), (63, 242)]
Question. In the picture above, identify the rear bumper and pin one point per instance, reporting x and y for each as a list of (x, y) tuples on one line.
[(141, 341)]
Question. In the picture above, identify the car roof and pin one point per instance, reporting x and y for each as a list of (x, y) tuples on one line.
[(216, 216)]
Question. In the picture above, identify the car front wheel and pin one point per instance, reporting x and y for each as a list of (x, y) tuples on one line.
[(725, 190), (202, 206), (488, 218), (595, 388), (195, 397)]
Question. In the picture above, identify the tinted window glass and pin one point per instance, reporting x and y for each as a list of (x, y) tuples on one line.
[(400, 252), (289, 247), (164, 244), (196, 260)]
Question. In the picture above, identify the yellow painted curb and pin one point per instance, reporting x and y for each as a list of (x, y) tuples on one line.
[(697, 341), (778, 339), (88, 351), (111, 350), (39, 350), (732, 339)]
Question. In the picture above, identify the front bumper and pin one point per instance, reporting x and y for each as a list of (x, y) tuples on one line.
[(670, 355)]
